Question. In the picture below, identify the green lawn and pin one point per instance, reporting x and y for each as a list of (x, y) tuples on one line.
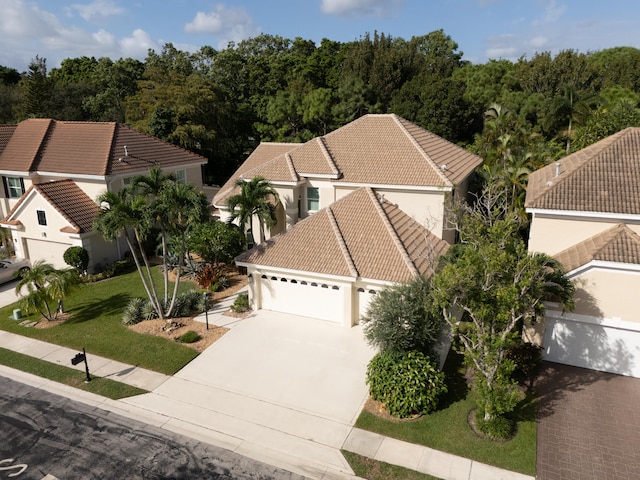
[(68, 376), (447, 429), (96, 310), (374, 470)]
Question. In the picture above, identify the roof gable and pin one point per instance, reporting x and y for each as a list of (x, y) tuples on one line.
[(361, 235), (604, 177), (618, 244), (67, 199), (263, 153)]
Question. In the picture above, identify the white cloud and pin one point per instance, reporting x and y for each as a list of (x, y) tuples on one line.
[(227, 23), (97, 11), (539, 42), (138, 44), (361, 8), (552, 12)]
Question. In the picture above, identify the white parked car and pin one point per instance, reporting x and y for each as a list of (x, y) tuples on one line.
[(9, 268)]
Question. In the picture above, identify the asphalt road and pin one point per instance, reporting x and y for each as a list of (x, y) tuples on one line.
[(47, 437)]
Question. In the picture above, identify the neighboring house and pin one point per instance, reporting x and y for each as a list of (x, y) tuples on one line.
[(53, 171), (329, 265), (410, 166), (360, 209), (586, 213)]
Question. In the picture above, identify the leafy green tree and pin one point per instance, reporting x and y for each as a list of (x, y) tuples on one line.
[(215, 241), (46, 288), (256, 198), (402, 318), (495, 284)]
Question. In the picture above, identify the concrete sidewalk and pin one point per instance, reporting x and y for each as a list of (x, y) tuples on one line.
[(310, 446)]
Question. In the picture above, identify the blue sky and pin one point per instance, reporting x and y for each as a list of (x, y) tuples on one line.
[(483, 29)]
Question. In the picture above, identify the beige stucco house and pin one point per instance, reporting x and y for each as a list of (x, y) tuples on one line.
[(53, 171), (410, 166), (585, 211), (360, 208)]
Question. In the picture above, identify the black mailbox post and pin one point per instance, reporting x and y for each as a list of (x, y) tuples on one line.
[(82, 357)]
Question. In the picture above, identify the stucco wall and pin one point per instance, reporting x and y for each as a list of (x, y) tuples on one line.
[(553, 234), (605, 293)]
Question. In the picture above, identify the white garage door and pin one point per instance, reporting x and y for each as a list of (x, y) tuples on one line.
[(305, 298), (50, 252), (598, 346)]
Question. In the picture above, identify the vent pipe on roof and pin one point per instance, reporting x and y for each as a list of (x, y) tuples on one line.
[(557, 169), (126, 153)]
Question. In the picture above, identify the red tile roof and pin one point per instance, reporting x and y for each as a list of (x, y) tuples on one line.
[(87, 148), (68, 199), (361, 235)]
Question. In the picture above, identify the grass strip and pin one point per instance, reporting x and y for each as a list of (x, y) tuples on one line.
[(375, 470), (67, 376)]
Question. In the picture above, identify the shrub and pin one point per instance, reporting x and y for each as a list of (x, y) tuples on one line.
[(498, 427), (189, 337), (407, 383), (187, 303), (223, 282), (241, 303), (148, 311), (133, 311), (76, 257), (208, 275), (400, 319)]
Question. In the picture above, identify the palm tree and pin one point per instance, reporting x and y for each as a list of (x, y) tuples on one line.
[(45, 286), (152, 186), (183, 207), (119, 213), (256, 198)]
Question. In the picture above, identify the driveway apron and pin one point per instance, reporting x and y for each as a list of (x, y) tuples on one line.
[(588, 425), (275, 384)]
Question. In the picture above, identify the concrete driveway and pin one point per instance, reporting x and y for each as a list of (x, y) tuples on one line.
[(8, 293), (588, 425), (276, 387)]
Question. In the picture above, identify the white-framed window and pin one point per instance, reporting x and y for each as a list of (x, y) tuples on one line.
[(181, 176), (14, 187), (313, 199), (42, 217)]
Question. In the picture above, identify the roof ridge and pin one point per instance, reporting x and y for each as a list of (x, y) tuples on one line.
[(341, 243), (292, 168), (327, 155), (111, 154), (392, 231), (35, 161), (425, 155)]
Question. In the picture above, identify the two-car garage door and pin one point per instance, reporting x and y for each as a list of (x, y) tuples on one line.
[(607, 346), (303, 297)]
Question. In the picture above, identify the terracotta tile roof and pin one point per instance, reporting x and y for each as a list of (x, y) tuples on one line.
[(372, 150), (362, 235), (604, 177), (261, 155), (68, 199), (88, 148), (23, 147), (618, 244), (6, 131)]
